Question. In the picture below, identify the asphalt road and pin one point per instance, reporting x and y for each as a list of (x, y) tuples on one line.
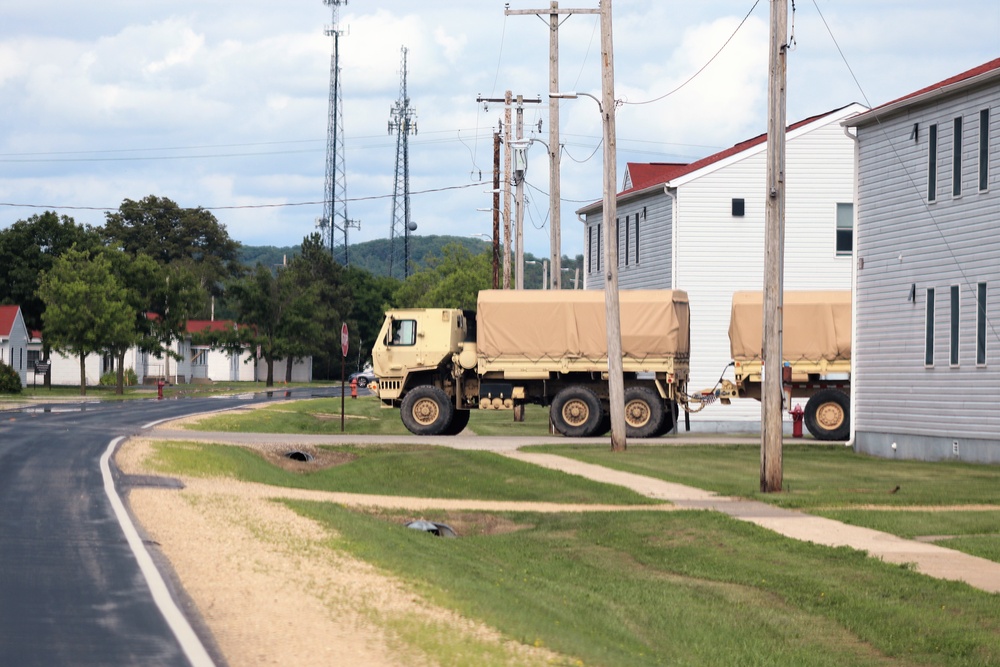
[(76, 587)]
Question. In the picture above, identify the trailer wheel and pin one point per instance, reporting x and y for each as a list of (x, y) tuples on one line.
[(828, 415), (426, 410), (644, 413), (458, 422), (576, 412)]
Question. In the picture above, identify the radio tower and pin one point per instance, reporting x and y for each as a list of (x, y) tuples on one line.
[(402, 120), (335, 223)]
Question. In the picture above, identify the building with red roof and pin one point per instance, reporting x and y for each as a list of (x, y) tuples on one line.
[(14, 341), (699, 227)]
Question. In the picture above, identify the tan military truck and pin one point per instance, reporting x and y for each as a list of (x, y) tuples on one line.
[(816, 355), (543, 347)]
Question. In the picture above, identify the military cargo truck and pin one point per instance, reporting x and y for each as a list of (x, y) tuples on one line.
[(542, 347), (816, 355)]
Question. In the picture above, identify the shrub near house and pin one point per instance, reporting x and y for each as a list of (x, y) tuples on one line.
[(10, 381)]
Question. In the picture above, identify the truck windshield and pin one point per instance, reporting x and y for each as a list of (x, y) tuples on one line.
[(404, 332)]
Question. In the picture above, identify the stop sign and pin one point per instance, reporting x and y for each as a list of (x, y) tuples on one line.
[(343, 338)]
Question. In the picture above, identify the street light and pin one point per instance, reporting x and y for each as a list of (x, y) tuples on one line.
[(612, 308)]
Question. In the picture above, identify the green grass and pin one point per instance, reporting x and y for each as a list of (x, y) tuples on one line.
[(364, 415), (398, 470), (815, 476), (103, 393), (681, 588)]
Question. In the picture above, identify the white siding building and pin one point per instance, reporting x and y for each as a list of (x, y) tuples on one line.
[(926, 345), (700, 228), (14, 341)]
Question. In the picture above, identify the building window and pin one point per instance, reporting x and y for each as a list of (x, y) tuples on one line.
[(739, 207), (984, 149), (956, 159), (34, 356), (932, 163), (637, 237), (845, 229), (929, 329), (953, 334), (600, 243), (590, 249), (628, 234), (981, 324)]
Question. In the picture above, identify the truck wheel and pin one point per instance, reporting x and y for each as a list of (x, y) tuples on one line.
[(426, 410), (644, 413), (576, 412), (670, 415), (828, 415), (458, 422)]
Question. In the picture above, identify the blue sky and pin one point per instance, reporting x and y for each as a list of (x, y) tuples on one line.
[(221, 104)]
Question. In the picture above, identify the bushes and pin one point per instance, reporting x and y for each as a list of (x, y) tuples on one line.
[(10, 381), (110, 379)]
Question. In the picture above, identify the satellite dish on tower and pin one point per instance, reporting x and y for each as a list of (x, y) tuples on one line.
[(412, 226)]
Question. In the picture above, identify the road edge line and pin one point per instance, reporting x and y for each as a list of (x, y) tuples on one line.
[(189, 641)]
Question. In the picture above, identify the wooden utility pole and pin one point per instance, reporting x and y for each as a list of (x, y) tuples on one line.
[(506, 190), (555, 153), (519, 195), (616, 383), (496, 209), (771, 471)]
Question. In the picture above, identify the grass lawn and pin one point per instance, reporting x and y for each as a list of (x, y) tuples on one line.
[(833, 481), (364, 415), (399, 470), (681, 588)]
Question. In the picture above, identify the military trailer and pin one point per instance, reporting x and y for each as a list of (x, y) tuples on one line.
[(816, 355), (541, 347)]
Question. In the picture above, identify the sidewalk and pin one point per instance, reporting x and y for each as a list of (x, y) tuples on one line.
[(928, 559)]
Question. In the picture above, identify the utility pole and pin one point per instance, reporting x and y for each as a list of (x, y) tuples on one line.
[(771, 470), (555, 154), (496, 209), (512, 173), (616, 383)]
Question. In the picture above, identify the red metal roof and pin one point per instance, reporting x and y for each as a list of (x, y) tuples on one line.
[(203, 326), (8, 314), (645, 174), (968, 74)]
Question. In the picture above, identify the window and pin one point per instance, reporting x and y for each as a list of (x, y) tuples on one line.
[(739, 207), (628, 234), (600, 243), (932, 163), (953, 334), (981, 324), (956, 159), (590, 249), (984, 149), (637, 237), (929, 329), (845, 229), (404, 332), (34, 356)]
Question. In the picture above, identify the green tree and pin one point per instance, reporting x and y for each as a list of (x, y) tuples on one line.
[(28, 249), (451, 281), (86, 308), (371, 296), (175, 236)]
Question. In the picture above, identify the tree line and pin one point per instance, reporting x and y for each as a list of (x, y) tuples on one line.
[(136, 280)]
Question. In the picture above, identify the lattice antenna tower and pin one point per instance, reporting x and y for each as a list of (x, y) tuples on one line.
[(402, 121), (335, 224)]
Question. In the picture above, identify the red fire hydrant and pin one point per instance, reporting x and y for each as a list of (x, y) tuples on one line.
[(354, 387), (159, 389), (797, 413)]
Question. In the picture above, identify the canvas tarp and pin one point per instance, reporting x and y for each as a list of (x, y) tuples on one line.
[(544, 324), (816, 326)]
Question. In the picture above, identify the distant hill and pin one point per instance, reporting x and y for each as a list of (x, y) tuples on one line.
[(373, 256)]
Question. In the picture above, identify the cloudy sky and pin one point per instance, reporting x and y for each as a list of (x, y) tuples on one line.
[(224, 104)]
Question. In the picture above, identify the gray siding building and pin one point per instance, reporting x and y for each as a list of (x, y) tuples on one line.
[(926, 375)]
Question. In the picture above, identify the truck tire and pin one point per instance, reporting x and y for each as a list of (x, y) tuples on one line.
[(426, 410), (644, 413), (458, 422), (670, 414), (828, 415), (576, 412)]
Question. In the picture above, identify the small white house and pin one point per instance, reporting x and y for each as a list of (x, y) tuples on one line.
[(699, 227), (926, 363), (14, 341)]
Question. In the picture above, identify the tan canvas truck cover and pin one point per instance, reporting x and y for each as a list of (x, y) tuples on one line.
[(542, 324), (816, 326)]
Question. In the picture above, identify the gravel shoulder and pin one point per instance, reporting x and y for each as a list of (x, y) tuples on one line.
[(274, 590)]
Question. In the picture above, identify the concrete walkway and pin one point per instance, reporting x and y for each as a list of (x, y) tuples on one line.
[(927, 558)]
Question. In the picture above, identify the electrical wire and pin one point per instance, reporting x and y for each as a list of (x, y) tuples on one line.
[(703, 67)]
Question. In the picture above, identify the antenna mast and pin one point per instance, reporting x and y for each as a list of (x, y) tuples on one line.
[(335, 223), (402, 120)]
